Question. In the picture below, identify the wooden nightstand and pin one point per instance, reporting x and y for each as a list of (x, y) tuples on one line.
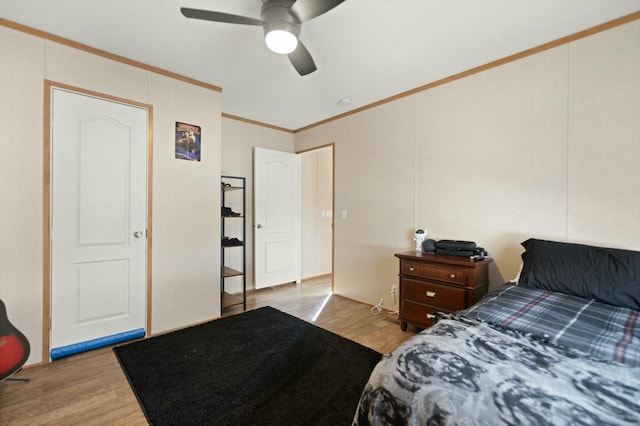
[(431, 282)]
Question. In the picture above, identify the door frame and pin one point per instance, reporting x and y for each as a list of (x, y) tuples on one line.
[(46, 205), (331, 145)]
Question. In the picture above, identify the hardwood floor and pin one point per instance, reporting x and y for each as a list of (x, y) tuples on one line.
[(91, 389)]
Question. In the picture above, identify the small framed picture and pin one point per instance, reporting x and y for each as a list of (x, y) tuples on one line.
[(187, 141)]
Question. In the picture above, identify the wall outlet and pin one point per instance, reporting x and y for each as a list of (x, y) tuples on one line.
[(394, 289)]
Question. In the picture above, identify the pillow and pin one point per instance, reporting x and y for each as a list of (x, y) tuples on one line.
[(608, 275)]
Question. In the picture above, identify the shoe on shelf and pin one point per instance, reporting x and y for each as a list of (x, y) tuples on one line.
[(227, 212), (230, 242)]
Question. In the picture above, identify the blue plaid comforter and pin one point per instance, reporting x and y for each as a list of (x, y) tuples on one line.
[(604, 331), (468, 372), (521, 356)]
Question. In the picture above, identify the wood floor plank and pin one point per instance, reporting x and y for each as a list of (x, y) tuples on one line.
[(91, 389)]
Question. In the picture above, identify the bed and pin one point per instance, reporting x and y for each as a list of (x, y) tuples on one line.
[(560, 345)]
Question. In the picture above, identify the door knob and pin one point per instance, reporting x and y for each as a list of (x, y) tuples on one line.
[(259, 226), (137, 234)]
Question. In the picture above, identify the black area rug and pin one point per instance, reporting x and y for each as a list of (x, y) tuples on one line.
[(261, 367)]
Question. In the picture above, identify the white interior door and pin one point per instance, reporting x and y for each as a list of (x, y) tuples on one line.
[(98, 222), (276, 217)]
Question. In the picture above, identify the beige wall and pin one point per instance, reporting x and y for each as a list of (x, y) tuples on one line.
[(493, 157), (238, 140), (374, 188), (604, 138), (185, 202), (546, 146), (317, 209)]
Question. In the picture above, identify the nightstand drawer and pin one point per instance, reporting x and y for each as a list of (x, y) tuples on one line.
[(431, 282), (433, 294), (418, 313), (447, 274)]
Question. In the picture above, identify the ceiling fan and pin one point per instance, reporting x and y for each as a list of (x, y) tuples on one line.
[(281, 21)]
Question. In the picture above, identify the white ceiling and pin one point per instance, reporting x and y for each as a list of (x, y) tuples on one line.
[(367, 50)]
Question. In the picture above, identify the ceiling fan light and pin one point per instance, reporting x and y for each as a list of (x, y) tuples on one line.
[(281, 41)]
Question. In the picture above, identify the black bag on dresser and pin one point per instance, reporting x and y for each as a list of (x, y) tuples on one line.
[(456, 248)]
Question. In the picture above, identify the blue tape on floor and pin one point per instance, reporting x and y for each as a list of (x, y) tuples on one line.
[(96, 343)]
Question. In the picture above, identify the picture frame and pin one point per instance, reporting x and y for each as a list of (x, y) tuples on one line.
[(188, 141)]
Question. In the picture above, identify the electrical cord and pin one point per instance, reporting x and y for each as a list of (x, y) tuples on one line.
[(377, 309), (376, 312)]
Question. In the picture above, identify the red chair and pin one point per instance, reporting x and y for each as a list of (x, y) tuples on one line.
[(14, 348)]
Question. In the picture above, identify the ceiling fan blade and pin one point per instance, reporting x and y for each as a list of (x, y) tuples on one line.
[(208, 15), (301, 60), (309, 9)]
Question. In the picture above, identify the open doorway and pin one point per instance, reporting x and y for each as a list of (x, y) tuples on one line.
[(317, 199)]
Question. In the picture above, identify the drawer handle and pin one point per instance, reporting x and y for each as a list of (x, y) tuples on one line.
[(431, 316), (431, 294), (411, 268), (452, 276)]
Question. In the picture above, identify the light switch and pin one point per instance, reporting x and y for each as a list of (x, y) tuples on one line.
[(344, 213)]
